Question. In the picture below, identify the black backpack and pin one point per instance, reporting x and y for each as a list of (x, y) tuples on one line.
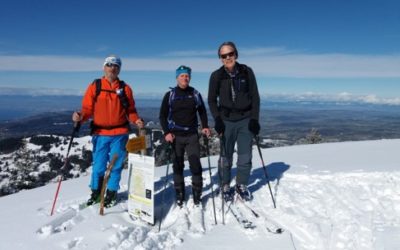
[(120, 92), (172, 99)]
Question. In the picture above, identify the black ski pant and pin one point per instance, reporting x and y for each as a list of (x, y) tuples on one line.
[(190, 145)]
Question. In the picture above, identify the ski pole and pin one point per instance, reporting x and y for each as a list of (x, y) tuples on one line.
[(209, 170), (257, 138), (222, 155), (75, 130), (165, 184)]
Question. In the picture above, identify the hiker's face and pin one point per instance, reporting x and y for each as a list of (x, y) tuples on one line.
[(183, 80), (228, 57), (111, 71)]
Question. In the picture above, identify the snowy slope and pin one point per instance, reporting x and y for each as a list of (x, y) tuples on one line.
[(329, 196)]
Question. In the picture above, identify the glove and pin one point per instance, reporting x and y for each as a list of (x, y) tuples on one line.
[(219, 125), (254, 126)]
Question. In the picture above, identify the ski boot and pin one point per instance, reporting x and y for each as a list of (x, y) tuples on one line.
[(196, 196), (180, 196), (94, 197), (227, 193), (110, 199), (243, 192)]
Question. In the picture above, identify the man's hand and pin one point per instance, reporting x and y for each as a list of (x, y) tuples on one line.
[(206, 132), (76, 116), (169, 137), (254, 126), (140, 123)]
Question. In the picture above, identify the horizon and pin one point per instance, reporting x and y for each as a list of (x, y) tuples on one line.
[(340, 98), (15, 107), (331, 48)]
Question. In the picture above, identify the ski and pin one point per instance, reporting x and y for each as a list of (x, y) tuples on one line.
[(240, 218), (270, 225), (196, 218), (177, 218), (84, 205)]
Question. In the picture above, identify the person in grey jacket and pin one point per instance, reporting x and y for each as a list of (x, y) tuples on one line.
[(234, 102)]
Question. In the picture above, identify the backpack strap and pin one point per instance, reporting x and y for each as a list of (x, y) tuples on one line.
[(172, 98), (122, 96), (98, 88), (197, 98), (120, 92), (171, 123)]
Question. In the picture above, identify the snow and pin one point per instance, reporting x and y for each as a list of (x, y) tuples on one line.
[(328, 196)]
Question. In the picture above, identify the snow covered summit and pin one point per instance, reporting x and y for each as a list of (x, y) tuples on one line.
[(329, 196)]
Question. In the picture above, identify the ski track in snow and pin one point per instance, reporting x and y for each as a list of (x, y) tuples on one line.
[(346, 208)]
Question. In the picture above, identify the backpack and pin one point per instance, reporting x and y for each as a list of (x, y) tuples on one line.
[(123, 99), (120, 93), (172, 99)]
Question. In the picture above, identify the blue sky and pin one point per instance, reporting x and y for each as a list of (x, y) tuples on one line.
[(335, 48)]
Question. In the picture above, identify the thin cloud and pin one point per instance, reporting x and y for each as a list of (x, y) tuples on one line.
[(40, 91), (265, 51), (328, 65), (49, 63), (268, 62), (343, 97)]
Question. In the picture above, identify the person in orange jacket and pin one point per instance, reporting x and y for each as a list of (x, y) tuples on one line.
[(109, 102)]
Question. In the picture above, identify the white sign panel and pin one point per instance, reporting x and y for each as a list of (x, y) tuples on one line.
[(141, 187)]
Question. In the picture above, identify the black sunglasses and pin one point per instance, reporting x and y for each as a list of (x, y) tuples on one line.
[(112, 65), (230, 54)]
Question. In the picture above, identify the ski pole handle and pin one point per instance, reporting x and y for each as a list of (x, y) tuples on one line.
[(168, 151), (257, 138), (205, 139), (77, 127)]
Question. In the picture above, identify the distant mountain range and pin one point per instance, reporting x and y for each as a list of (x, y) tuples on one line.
[(285, 123), (41, 138)]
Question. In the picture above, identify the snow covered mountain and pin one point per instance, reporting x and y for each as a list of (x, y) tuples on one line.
[(31, 162), (328, 196)]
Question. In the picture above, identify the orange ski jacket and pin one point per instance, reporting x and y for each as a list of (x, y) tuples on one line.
[(106, 110)]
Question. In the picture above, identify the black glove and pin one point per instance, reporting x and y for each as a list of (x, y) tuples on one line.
[(254, 126), (219, 125)]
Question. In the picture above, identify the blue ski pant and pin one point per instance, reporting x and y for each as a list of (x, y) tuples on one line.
[(237, 132), (104, 148)]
